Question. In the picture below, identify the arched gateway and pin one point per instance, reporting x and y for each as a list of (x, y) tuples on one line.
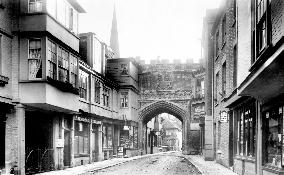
[(162, 106)]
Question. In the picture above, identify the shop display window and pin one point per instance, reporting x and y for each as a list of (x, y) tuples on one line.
[(272, 128), (246, 130), (81, 138)]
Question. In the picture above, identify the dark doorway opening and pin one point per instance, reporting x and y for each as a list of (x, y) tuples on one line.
[(95, 145), (39, 150), (2, 141)]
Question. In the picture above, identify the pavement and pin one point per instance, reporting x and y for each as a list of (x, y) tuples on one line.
[(205, 167), (208, 167)]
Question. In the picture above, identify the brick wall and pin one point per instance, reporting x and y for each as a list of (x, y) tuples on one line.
[(277, 20), (225, 54)]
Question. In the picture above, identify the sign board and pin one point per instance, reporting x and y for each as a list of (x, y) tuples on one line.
[(59, 143), (88, 120), (223, 117)]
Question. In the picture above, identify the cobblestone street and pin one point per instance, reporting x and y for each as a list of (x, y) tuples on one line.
[(172, 163)]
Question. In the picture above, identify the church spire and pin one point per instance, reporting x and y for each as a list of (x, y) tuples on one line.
[(114, 36)]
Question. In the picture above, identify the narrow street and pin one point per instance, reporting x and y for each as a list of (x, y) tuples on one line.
[(168, 163)]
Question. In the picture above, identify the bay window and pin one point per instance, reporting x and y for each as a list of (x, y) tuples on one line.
[(63, 65), (35, 6), (81, 138), (35, 59), (52, 59)]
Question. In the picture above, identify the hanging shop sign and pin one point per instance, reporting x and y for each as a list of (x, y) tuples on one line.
[(88, 120), (223, 117)]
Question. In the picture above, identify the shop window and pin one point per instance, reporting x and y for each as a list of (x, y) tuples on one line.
[(124, 100), (83, 85), (73, 70), (35, 6), (107, 136), (63, 65), (272, 132), (52, 60), (81, 138), (35, 59), (97, 91), (246, 137), (106, 96)]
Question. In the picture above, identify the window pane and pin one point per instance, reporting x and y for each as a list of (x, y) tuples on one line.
[(34, 60)]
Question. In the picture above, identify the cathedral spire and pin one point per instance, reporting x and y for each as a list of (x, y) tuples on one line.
[(114, 36)]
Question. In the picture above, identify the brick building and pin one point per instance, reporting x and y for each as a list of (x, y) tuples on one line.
[(253, 99), (222, 39)]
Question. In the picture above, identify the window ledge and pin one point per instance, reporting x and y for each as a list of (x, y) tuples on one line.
[(63, 86), (3, 80)]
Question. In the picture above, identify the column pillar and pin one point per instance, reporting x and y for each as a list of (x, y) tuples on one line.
[(72, 142), (15, 140), (259, 140)]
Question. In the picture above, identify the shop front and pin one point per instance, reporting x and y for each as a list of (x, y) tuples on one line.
[(129, 140), (244, 120)]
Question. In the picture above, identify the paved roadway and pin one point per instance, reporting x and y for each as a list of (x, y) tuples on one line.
[(161, 164)]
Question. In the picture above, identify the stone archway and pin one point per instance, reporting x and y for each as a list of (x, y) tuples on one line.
[(148, 112)]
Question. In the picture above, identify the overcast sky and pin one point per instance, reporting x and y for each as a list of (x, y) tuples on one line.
[(149, 28)]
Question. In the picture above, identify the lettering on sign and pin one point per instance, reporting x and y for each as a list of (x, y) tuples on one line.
[(88, 120), (223, 117)]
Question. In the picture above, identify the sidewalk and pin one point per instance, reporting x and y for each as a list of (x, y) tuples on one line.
[(208, 167)]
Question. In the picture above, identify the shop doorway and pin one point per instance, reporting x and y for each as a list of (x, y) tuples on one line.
[(95, 145), (39, 142), (2, 142)]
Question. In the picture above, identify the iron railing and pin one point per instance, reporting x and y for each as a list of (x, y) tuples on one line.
[(39, 160)]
